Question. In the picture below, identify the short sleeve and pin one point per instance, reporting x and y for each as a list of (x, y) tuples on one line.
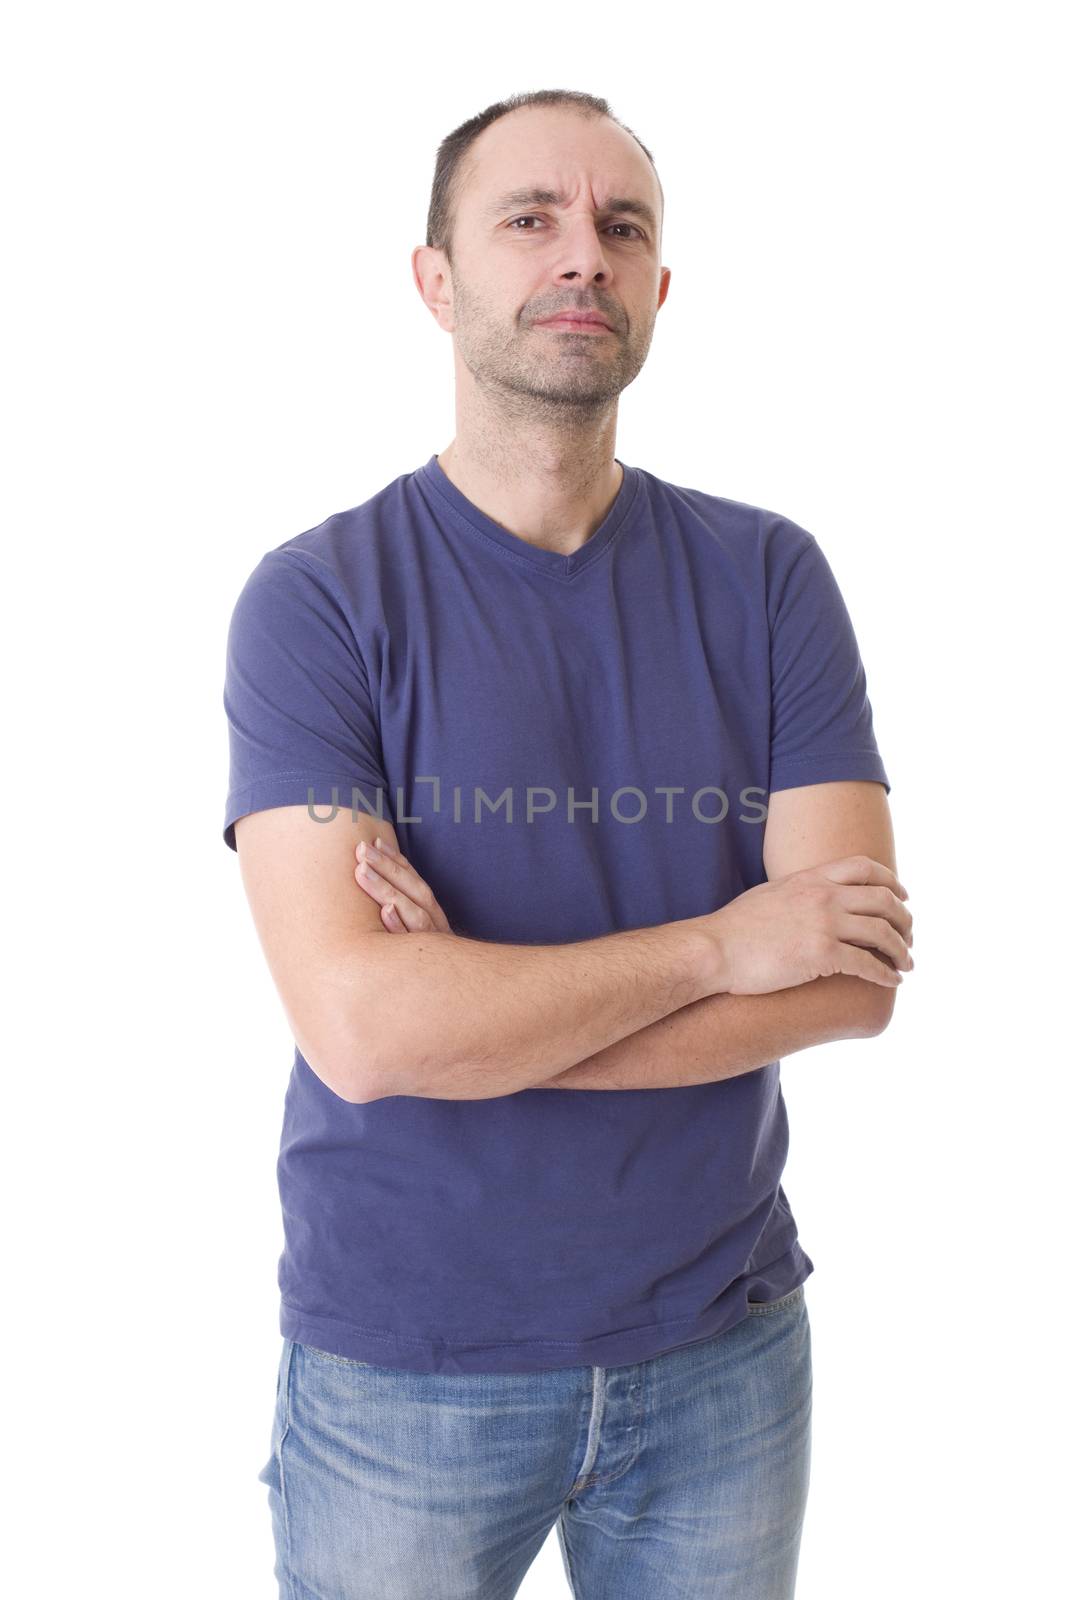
[(822, 727), (297, 700)]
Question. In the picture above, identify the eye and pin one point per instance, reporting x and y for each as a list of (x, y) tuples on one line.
[(634, 233)]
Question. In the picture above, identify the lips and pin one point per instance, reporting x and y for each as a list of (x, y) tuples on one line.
[(575, 319)]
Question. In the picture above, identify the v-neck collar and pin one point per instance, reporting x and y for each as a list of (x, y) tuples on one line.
[(436, 481)]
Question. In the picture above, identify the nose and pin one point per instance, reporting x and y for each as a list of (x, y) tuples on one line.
[(581, 254)]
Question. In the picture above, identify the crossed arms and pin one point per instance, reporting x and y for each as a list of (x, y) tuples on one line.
[(378, 1009)]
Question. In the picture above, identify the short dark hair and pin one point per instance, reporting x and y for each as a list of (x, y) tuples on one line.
[(441, 220)]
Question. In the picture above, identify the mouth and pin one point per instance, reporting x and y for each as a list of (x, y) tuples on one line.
[(565, 324)]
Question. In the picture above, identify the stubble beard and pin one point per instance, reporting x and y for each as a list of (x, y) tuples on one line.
[(539, 372)]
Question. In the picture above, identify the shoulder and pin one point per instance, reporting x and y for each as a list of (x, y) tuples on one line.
[(357, 534), (738, 530), (346, 558)]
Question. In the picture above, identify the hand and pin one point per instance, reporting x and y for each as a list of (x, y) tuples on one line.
[(406, 901), (846, 915)]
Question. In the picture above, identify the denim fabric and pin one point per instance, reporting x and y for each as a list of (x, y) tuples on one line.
[(686, 1474)]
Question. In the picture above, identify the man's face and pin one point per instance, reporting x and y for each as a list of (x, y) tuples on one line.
[(520, 257)]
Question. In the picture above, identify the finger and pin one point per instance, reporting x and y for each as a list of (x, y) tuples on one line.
[(404, 878), (394, 871), (415, 918), (391, 849), (863, 870), (879, 902), (406, 916), (373, 883), (878, 934), (861, 963), (379, 866)]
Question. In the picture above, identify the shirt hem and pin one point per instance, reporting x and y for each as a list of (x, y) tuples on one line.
[(795, 772), (379, 1347), (291, 788)]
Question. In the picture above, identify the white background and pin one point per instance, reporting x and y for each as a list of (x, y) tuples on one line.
[(212, 342)]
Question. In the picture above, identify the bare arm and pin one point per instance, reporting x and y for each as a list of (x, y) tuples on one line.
[(464, 1019), (450, 1018), (725, 1035), (717, 1035), (457, 1018)]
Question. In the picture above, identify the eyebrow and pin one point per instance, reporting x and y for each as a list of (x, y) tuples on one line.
[(515, 199)]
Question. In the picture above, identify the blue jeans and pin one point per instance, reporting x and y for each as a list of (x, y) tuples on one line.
[(684, 1475)]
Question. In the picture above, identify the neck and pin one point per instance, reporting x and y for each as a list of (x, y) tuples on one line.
[(548, 484)]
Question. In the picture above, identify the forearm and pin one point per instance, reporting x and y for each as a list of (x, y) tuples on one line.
[(724, 1035), (451, 1018)]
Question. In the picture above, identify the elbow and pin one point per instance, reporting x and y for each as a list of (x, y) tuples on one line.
[(348, 1061), (359, 1074), (370, 1086), (356, 1033), (356, 1087), (877, 1011)]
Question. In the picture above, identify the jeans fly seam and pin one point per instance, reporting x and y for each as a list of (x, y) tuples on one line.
[(609, 1477)]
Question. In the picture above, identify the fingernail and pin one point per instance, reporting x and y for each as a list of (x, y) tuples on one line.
[(368, 872)]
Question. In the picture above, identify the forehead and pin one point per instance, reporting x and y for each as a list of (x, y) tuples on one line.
[(556, 152)]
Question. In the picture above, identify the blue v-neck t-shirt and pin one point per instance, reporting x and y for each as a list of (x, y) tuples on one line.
[(567, 746)]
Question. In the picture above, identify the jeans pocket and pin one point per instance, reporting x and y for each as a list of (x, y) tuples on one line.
[(761, 1308), (328, 1355)]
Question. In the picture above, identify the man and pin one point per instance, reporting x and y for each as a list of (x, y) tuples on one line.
[(614, 739)]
